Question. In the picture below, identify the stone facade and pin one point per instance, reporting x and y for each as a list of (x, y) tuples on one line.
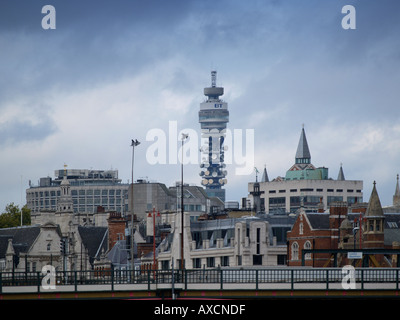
[(247, 241)]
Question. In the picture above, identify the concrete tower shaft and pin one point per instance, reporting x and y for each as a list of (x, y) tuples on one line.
[(213, 118)]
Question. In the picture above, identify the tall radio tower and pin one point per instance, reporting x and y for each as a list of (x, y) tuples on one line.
[(213, 117)]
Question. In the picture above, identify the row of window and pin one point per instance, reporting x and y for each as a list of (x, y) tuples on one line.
[(210, 262), (75, 193), (295, 250), (312, 190), (97, 201), (308, 200)]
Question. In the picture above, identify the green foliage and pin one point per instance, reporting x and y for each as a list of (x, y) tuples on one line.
[(11, 217)]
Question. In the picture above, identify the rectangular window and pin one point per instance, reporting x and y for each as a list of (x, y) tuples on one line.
[(225, 261), (165, 265), (294, 201), (211, 262), (257, 260), (281, 259), (334, 199), (258, 241), (277, 202), (197, 263)]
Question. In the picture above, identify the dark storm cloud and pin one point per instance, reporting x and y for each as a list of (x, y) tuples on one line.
[(17, 131), (282, 63), (94, 41), (91, 15)]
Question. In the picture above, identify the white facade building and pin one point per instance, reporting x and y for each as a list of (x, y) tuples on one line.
[(304, 185), (233, 242), (289, 195), (89, 189)]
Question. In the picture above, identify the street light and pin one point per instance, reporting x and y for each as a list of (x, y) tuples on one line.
[(134, 144), (184, 137)]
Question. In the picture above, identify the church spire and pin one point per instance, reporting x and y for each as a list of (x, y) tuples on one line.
[(396, 196), (303, 155), (265, 175), (374, 205), (341, 174)]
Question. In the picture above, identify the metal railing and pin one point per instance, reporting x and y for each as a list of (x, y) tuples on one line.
[(220, 276)]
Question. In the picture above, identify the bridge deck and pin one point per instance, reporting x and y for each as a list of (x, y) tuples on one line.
[(204, 283)]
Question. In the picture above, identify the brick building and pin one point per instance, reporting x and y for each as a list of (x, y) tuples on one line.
[(116, 228), (315, 231), (358, 226)]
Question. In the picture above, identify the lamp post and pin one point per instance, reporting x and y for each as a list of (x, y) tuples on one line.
[(184, 137), (134, 144)]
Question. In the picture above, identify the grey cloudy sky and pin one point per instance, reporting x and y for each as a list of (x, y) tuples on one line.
[(113, 70)]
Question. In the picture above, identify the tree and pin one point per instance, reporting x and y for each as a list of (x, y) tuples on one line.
[(11, 217)]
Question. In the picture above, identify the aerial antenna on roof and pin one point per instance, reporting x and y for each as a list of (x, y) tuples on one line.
[(213, 79)]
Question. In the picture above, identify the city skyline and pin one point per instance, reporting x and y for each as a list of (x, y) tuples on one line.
[(111, 72)]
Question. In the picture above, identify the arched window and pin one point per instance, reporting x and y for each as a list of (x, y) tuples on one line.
[(307, 245), (301, 228), (295, 251)]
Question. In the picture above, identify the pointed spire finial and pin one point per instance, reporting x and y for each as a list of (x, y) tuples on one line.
[(374, 205), (265, 175), (303, 155), (341, 173), (396, 196), (397, 191)]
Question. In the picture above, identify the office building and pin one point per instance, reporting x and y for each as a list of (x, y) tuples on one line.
[(304, 185), (167, 200), (89, 189)]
